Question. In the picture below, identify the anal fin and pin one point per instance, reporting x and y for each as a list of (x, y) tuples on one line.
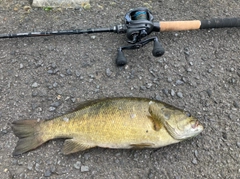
[(73, 145)]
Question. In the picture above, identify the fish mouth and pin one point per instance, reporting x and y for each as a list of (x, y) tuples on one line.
[(195, 125)]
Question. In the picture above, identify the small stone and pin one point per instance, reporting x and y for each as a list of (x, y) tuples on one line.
[(51, 109), (53, 65), (209, 92), (196, 153), (232, 81), (179, 82), (101, 7), (169, 79), (35, 85), (34, 106), (108, 72), (47, 173), (55, 104), (78, 73), (21, 66), (117, 161), (50, 71), (143, 88), (73, 100), (27, 8), (230, 116), (224, 135), (149, 85), (235, 104), (37, 167), (118, 154), (55, 71), (34, 93), (158, 97), (184, 79), (50, 86), (93, 37), (189, 69), (20, 162), (150, 174), (172, 92), (186, 51), (67, 98), (86, 156), (92, 76), (53, 169), (86, 6), (77, 165), (30, 166), (194, 161), (165, 91), (179, 94), (112, 3), (84, 168), (62, 75), (69, 72), (55, 84), (238, 144)]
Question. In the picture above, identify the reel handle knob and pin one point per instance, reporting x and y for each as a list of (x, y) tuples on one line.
[(121, 60), (158, 50)]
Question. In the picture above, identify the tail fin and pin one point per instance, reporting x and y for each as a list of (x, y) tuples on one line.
[(28, 134)]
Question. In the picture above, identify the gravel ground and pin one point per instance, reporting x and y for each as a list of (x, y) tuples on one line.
[(45, 77)]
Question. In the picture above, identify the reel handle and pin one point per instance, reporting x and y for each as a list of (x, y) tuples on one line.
[(120, 60), (158, 50)]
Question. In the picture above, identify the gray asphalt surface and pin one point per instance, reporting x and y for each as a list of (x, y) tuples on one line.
[(45, 77)]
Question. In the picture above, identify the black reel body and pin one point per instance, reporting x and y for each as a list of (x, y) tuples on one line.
[(139, 23)]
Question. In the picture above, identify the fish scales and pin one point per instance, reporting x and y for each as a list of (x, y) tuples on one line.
[(111, 123), (107, 124)]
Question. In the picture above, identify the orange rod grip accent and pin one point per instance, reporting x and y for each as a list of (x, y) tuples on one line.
[(179, 25)]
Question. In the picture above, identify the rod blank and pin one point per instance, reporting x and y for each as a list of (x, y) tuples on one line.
[(60, 32)]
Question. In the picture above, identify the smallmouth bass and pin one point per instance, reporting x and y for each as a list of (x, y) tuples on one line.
[(110, 123)]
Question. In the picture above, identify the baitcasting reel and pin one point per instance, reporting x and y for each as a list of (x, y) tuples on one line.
[(138, 24)]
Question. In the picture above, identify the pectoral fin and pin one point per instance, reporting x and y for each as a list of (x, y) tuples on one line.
[(155, 116), (160, 115), (73, 145)]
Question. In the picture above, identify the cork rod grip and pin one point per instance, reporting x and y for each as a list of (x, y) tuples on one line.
[(179, 25)]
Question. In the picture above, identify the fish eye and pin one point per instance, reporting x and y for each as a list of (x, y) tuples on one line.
[(188, 114)]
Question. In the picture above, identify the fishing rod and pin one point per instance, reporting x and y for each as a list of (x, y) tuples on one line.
[(139, 23)]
